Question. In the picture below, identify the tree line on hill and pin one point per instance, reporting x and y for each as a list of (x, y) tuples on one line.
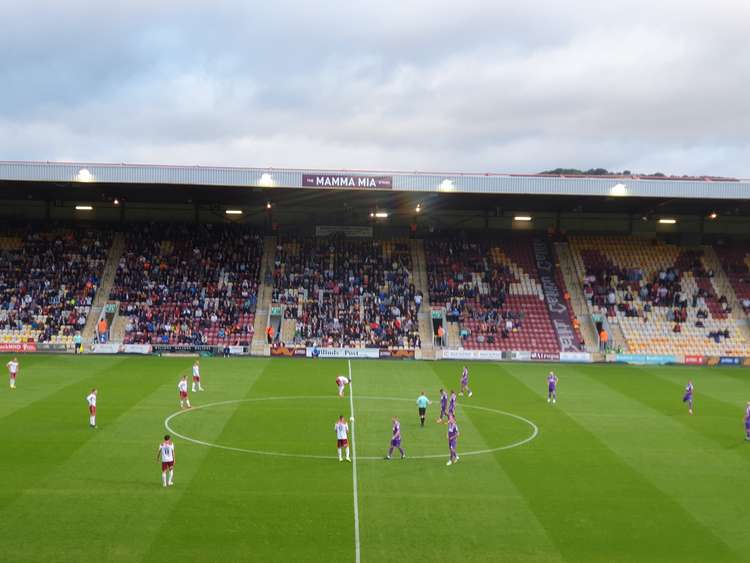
[(628, 173)]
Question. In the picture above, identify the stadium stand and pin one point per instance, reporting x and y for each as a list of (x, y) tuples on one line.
[(661, 295), (49, 275), (492, 290), (189, 284), (736, 265), (347, 292)]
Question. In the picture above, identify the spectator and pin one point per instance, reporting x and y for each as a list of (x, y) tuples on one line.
[(102, 330), (603, 340)]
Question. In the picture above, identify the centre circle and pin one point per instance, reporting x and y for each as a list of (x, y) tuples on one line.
[(533, 429)]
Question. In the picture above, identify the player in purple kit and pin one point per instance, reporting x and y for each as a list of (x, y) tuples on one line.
[(453, 434), (552, 387), (452, 404), (396, 439), (443, 405), (747, 422), (688, 397), (465, 383)]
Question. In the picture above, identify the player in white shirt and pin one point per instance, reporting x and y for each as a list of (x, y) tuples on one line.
[(12, 371), (91, 400), (342, 435), (165, 454), (183, 389), (197, 376), (342, 382)]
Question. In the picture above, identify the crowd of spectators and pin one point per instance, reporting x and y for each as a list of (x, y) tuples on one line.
[(735, 264), (491, 288), (49, 275), (601, 287), (452, 275), (462, 277), (189, 284), (347, 292), (622, 290), (492, 324)]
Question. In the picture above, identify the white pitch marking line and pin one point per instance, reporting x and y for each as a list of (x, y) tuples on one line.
[(354, 470), (168, 420)]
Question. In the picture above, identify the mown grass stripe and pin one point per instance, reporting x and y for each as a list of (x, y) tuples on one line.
[(610, 511), (675, 452), (277, 500)]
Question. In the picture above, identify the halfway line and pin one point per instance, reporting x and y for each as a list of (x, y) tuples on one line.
[(354, 470)]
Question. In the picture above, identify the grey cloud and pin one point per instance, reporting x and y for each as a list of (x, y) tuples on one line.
[(474, 86)]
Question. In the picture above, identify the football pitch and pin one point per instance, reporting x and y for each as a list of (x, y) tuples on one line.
[(615, 471)]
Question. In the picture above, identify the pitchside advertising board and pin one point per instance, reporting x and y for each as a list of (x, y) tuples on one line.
[(17, 347), (347, 181), (473, 355), (351, 353), (646, 359), (693, 360), (519, 356), (718, 360), (342, 352), (115, 348), (728, 361), (288, 351)]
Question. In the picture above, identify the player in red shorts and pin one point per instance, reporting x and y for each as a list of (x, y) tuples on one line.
[(342, 382), (342, 432), (182, 388), (12, 371), (197, 376), (165, 453), (91, 400)]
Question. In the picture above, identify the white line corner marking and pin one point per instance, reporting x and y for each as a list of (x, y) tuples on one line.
[(354, 470)]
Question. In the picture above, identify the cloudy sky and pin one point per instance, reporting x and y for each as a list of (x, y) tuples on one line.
[(475, 85)]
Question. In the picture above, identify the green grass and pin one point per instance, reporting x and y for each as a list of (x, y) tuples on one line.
[(618, 472)]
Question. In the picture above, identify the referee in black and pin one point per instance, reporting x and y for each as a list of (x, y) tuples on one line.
[(422, 402)]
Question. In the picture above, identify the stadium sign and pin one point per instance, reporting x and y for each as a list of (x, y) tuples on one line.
[(546, 356), (107, 348), (397, 354), (136, 348), (645, 359), (730, 360), (558, 309), (462, 354), (51, 347), (694, 360), (288, 351), (342, 352), (579, 357), (347, 181), (118, 348), (14, 347)]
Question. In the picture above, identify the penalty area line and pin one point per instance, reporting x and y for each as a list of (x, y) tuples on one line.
[(354, 469)]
